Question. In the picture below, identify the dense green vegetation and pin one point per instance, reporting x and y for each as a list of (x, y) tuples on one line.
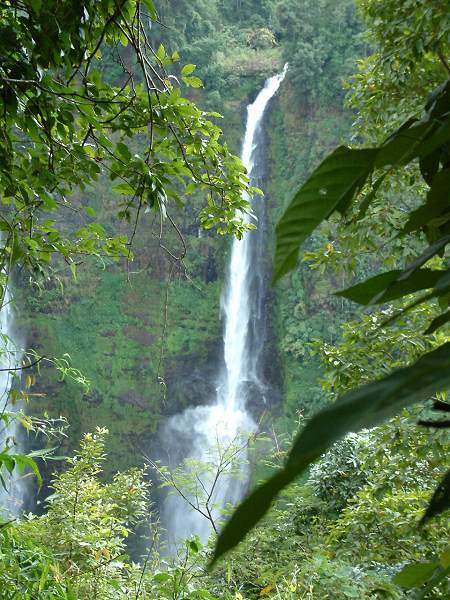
[(128, 284), (127, 321)]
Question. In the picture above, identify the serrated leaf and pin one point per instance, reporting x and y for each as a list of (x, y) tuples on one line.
[(361, 408), (340, 176)]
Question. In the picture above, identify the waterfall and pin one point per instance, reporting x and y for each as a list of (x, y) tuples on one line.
[(201, 434), (11, 498)]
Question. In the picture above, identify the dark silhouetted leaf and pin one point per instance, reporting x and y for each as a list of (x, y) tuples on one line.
[(428, 253), (440, 501), (429, 166), (370, 196), (357, 409), (404, 145), (438, 322), (387, 286), (333, 184)]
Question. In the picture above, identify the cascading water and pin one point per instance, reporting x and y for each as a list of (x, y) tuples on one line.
[(11, 498), (202, 433)]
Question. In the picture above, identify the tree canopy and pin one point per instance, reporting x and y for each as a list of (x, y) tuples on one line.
[(65, 122)]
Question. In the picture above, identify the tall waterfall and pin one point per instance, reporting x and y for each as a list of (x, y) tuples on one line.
[(203, 432), (11, 499)]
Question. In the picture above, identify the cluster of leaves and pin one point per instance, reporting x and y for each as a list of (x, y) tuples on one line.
[(320, 41), (14, 420), (64, 123), (77, 549), (411, 43), (339, 474), (346, 532)]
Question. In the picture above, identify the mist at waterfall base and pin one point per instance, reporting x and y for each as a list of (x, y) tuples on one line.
[(200, 434)]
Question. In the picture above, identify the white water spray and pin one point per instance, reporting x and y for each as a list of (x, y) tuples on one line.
[(203, 432)]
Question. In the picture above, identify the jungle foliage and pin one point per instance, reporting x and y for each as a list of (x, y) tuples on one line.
[(64, 122), (349, 175), (346, 526)]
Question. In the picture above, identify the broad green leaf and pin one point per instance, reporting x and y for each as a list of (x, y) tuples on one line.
[(438, 322), (23, 460), (415, 575), (73, 268), (123, 188), (361, 408), (187, 70), (161, 577), (440, 501), (8, 461), (403, 146), (194, 546), (340, 176), (123, 150), (161, 52), (444, 559), (36, 5), (387, 286), (149, 4), (437, 202)]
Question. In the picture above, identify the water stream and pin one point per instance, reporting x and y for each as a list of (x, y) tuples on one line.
[(204, 434)]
